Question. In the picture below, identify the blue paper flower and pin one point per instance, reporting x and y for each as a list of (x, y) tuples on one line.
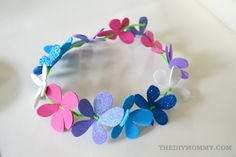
[(155, 105), (54, 54), (141, 117)]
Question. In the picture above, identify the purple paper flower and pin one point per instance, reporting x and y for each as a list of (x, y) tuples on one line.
[(102, 114), (180, 63)]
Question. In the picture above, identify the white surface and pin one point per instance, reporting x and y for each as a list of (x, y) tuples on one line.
[(207, 118), (225, 11)]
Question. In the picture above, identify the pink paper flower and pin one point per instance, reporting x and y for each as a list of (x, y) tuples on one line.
[(117, 29), (60, 110), (148, 41)]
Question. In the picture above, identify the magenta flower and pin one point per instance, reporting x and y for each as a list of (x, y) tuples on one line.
[(117, 29)]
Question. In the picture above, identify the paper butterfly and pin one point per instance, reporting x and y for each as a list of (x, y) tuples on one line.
[(143, 20), (60, 110), (180, 63), (117, 29), (42, 84), (156, 106), (168, 79), (102, 114), (55, 52), (141, 117), (149, 41)]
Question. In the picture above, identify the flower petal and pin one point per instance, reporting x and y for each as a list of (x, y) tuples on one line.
[(37, 97), (57, 121), (126, 37), (85, 108), (131, 130), (152, 94), (125, 22), (38, 70), (140, 101), (53, 92), (142, 117), (128, 102), (148, 39), (161, 77), (160, 116), (175, 76), (69, 100), (68, 118), (80, 127), (179, 62), (106, 33), (116, 131), (115, 25), (82, 37), (99, 133), (47, 110), (112, 117), (102, 102), (142, 20), (166, 102), (36, 80), (185, 74)]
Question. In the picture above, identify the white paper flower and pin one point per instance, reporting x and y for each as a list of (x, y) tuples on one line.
[(168, 80), (41, 83)]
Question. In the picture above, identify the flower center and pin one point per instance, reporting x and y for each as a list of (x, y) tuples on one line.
[(96, 117), (61, 107), (152, 107)]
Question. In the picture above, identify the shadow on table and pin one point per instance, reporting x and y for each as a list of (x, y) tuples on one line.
[(9, 85), (202, 66)]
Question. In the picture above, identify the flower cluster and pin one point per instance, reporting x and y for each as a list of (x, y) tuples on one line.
[(101, 114)]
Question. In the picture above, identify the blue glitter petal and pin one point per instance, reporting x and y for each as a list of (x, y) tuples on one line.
[(167, 102), (140, 101), (45, 60), (55, 52), (152, 94), (160, 116)]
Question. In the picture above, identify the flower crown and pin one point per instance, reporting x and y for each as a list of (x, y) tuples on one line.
[(100, 114)]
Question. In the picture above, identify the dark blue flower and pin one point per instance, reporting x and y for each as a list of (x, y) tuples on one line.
[(155, 105), (141, 31)]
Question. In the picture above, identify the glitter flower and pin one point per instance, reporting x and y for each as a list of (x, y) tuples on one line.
[(55, 52), (102, 114), (155, 105)]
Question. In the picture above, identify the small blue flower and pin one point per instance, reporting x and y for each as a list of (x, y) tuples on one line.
[(155, 105), (131, 120), (54, 54)]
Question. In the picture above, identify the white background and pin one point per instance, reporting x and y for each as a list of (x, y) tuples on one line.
[(207, 118)]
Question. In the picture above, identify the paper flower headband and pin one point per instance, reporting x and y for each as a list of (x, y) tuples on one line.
[(62, 109)]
